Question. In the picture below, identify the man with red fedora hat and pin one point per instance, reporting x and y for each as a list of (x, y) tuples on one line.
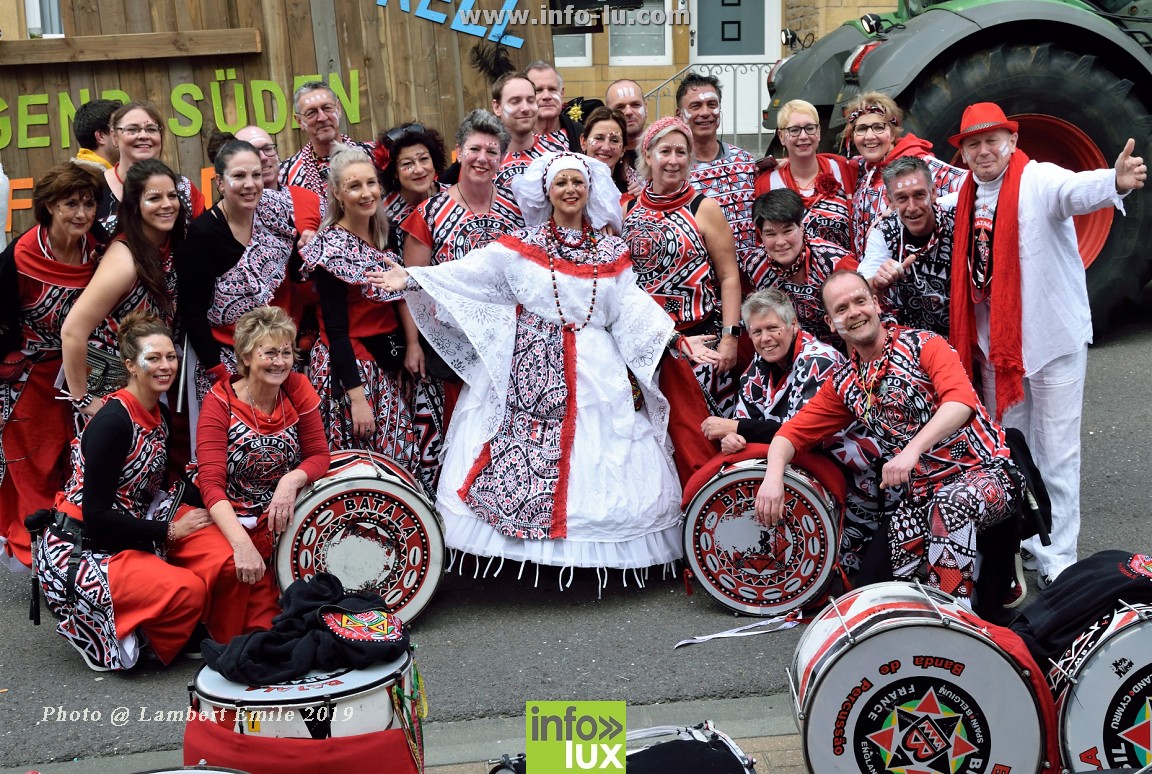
[(1019, 302)]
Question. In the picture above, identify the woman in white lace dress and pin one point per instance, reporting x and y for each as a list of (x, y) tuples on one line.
[(558, 451)]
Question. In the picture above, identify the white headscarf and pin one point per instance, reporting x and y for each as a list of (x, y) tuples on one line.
[(531, 189)]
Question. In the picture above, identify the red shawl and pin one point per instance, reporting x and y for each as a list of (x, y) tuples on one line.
[(1005, 348)]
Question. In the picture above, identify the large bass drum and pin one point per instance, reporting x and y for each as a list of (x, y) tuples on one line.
[(367, 523), (1103, 690), (898, 677), (755, 569)]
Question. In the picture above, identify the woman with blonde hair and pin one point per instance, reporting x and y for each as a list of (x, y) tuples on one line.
[(356, 365), (824, 181), (259, 442)]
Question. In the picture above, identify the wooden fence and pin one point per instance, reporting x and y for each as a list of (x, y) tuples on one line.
[(229, 63)]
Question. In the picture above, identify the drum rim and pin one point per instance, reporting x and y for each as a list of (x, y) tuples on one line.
[(1070, 704), (969, 631), (912, 591), (333, 696), (429, 519), (692, 513)]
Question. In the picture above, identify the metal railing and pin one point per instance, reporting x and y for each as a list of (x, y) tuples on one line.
[(744, 96)]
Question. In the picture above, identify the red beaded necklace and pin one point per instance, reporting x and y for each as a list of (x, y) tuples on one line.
[(588, 241), (870, 379)]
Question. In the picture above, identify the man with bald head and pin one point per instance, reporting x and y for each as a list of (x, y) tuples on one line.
[(627, 97)]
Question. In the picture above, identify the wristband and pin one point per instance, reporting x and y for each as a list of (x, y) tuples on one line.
[(82, 402)]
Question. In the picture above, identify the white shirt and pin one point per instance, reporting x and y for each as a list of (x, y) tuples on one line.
[(1056, 319)]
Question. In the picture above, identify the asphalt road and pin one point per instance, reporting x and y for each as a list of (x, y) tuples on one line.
[(486, 645)]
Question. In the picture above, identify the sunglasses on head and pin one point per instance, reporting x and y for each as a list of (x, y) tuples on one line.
[(400, 132)]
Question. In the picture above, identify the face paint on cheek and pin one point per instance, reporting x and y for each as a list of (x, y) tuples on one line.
[(142, 360), (685, 115), (1004, 148), (838, 324)]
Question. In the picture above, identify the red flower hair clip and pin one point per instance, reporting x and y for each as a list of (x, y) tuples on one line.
[(381, 156)]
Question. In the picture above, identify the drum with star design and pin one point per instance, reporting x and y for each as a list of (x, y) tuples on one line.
[(751, 568), (368, 523), (1103, 690), (899, 677)]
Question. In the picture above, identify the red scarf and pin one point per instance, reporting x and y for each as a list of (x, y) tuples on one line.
[(1005, 347)]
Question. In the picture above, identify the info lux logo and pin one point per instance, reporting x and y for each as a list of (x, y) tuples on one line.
[(575, 736)]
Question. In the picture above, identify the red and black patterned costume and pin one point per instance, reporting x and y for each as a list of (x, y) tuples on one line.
[(122, 587), (515, 162), (771, 395), (730, 180), (672, 266), (870, 200), (307, 170), (241, 455), (139, 298), (359, 338), (221, 279), (919, 298), (35, 428), (819, 259), (451, 231), (958, 488), (827, 204)]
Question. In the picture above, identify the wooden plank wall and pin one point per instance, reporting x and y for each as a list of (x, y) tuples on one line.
[(408, 69)]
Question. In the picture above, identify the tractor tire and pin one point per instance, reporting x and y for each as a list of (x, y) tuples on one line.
[(1079, 115)]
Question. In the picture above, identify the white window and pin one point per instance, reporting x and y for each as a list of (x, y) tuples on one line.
[(642, 36), (572, 50), (43, 17)]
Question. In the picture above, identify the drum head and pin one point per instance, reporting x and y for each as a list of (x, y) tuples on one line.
[(372, 530), (1103, 690), (317, 685), (754, 569), (924, 698)]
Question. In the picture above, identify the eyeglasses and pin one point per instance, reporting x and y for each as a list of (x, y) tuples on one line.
[(400, 132), (132, 130), (796, 131), (272, 355), (862, 130), (311, 114), (266, 150)]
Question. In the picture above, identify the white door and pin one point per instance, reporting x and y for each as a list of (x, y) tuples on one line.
[(737, 41)]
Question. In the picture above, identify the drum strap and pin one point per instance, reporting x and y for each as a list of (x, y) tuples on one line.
[(777, 624)]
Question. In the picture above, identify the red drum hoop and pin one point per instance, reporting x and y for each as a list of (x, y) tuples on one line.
[(895, 677), (754, 569), (367, 523), (1103, 690)]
